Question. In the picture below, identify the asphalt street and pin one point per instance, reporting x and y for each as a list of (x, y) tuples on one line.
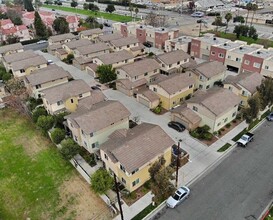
[(239, 188)]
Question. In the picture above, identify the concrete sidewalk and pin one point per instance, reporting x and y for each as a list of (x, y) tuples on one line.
[(190, 172)]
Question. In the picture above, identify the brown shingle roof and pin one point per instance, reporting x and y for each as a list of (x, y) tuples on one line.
[(140, 67), (176, 82), (94, 48), (19, 56), (62, 37), (131, 85), (95, 97), (78, 43), (173, 57), (100, 116), (40, 77), (92, 31), (32, 61), (124, 41), (149, 94), (112, 58), (109, 37), (247, 80), (11, 47), (187, 113), (136, 147), (210, 69), (64, 91), (216, 100)]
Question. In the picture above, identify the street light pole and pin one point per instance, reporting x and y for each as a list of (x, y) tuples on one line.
[(119, 202), (177, 162)]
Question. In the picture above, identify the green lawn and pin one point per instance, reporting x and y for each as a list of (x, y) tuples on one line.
[(105, 15), (224, 147), (144, 212), (31, 171)]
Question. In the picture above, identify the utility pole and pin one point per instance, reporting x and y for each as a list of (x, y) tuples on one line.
[(177, 162), (200, 29), (119, 202)]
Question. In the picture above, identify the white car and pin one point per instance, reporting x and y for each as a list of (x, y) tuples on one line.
[(41, 42), (198, 14), (179, 196)]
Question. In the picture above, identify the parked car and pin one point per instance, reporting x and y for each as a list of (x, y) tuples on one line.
[(49, 62), (201, 21), (147, 44), (41, 41), (245, 139), (270, 117), (106, 24), (198, 14), (176, 126), (179, 196)]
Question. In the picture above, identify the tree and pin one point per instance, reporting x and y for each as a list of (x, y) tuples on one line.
[(254, 9), (251, 112), (28, 5), (93, 7), (266, 93), (45, 122), (12, 39), (191, 5), (241, 30), (161, 188), (74, 4), (106, 73), (101, 181), (69, 148), (57, 135), (39, 26), (14, 16), (252, 32), (16, 87), (60, 25), (218, 22), (18, 2), (59, 119), (228, 17), (136, 11), (110, 8), (131, 9), (85, 6), (17, 21), (37, 113), (49, 32), (70, 58), (248, 8)]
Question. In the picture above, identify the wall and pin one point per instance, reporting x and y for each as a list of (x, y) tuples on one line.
[(205, 82), (214, 54), (160, 39), (250, 65), (141, 35), (123, 30), (195, 48), (267, 68), (121, 74)]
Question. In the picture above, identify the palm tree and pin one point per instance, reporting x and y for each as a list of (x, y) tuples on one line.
[(131, 9), (254, 9), (248, 8), (136, 11), (218, 22), (228, 17)]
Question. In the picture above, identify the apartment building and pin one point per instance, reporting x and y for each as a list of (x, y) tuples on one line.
[(91, 34), (70, 46), (11, 48), (180, 43), (61, 38)]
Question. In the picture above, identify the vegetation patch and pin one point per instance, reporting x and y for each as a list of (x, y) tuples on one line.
[(114, 17), (224, 148), (144, 212)]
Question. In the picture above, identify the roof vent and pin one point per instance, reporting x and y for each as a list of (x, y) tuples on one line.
[(141, 26), (258, 52), (163, 29), (241, 48), (225, 44), (214, 38)]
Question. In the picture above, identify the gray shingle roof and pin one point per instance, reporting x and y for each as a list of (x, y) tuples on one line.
[(99, 116), (64, 91), (173, 57), (109, 37), (136, 147), (140, 67), (26, 63), (210, 69), (19, 56), (11, 47), (94, 48), (124, 41), (91, 32), (78, 43), (62, 37), (112, 58)]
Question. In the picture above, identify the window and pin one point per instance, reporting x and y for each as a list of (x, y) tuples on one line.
[(247, 62), (22, 71), (105, 156), (228, 57), (126, 61), (174, 102), (178, 62), (220, 55), (170, 65), (238, 59), (71, 100), (244, 93), (118, 72), (82, 132), (85, 143), (163, 65), (234, 114), (257, 65), (123, 180), (185, 60), (207, 87), (128, 46), (80, 95), (145, 74), (212, 53), (155, 90), (135, 182), (190, 86), (226, 119), (194, 108), (200, 86), (91, 134), (122, 168), (38, 86), (155, 71), (200, 77), (219, 124), (230, 88), (181, 99), (136, 77), (135, 171), (59, 103), (266, 67)]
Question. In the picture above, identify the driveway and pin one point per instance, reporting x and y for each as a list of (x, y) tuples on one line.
[(75, 72)]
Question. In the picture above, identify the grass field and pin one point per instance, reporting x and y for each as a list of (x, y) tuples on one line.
[(35, 182), (105, 15)]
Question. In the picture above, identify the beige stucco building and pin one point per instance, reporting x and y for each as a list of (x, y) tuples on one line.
[(91, 126), (11, 48), (91, 34), (61, 38)]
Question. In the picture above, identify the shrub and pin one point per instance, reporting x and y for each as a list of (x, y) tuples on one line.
[(222, 129), (69, 148), (234, 121), (207, 136), (45, 122), (57, 135), (37, 113), (101, 181), (157, 110), (228, 125)]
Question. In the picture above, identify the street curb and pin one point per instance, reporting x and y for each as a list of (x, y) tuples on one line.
[(207, 170), (266, 210)]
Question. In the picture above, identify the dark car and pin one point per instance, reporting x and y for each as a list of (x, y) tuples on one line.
[(176, 126), (106, 24), (147, 44)]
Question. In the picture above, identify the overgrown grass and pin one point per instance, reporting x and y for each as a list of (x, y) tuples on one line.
[(266, 43), (31, 171), (223, 148), (105, 15), (144, 212)]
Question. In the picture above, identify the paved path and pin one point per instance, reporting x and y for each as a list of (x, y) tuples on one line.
[(239, 188)]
